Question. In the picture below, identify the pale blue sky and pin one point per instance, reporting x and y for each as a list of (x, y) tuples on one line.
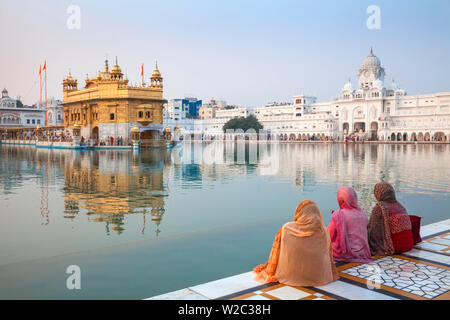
[(245, 52)]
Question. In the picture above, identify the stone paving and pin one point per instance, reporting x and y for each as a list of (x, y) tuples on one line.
[(420, 274)]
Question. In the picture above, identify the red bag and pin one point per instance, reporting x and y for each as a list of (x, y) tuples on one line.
[(415, 223)]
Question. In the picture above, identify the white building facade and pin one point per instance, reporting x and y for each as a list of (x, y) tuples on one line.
[(372, 111), (13, 114), (174, 110), (55, 112)]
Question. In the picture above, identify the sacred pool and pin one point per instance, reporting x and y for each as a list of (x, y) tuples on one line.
[(142, 223)]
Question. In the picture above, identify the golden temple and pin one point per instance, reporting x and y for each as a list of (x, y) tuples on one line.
[(109, 107)]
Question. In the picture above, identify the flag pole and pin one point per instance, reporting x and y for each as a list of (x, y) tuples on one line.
[(45, 92), (40, 86)]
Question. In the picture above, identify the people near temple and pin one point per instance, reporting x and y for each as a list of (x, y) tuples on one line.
[(389, 227), (348, 229), (301, 254)]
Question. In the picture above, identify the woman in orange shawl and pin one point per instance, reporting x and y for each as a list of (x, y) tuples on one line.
[(301, 254)]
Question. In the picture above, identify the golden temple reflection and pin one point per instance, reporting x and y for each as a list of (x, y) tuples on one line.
[(114, 184)]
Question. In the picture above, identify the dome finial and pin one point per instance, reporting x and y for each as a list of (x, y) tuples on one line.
[(371, 50)]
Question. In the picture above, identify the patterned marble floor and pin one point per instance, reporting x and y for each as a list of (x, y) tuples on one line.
[(420, 274), (439, 243)]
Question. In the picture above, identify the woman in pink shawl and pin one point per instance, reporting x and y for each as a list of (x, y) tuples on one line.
[(348, 229)]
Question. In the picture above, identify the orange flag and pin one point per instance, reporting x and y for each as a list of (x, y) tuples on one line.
[(45, 66), (142, 70), (40, 71)]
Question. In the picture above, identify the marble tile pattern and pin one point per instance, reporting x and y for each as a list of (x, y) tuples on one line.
[(434, 228), (283, 292), (440, 244), (412, 275), (419, 279), (428, 255), (183, 294)]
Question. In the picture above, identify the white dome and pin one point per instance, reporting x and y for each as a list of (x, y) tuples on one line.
[(348, 86), (371, 61), (378, 84)]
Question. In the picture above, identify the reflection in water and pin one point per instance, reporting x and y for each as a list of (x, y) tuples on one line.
[(63, 207), (108, 185)]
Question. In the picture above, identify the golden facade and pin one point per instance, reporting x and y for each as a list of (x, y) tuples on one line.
[(108, 106)]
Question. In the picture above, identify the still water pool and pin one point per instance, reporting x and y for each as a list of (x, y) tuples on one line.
[(144, 223)]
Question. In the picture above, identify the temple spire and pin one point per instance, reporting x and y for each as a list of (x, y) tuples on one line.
[(106, 64)]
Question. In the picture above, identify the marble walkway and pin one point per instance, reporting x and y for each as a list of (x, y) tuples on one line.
[(420, 274)]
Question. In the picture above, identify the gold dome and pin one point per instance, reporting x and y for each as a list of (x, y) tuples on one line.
[(76, 126), (116, 68), (69, 76), (156, 73), (176, 127), (166, 130), (135, 129)]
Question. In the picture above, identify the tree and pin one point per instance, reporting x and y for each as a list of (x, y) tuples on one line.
[(19, 104), (243, 123)]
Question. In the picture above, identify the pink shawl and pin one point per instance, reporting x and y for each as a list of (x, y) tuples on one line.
[(348, 229)]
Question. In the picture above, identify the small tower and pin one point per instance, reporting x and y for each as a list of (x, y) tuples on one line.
[(116, 72), (4, 93), (106, 65), (69, 83), (156, 81)]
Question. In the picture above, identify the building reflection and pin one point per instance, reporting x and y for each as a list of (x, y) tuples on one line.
[(122, 189), (111, 184), (412, 169), (106, 185)]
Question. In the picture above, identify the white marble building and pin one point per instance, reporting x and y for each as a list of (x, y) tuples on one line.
[(13, 114), (371, 111), (55, 112)]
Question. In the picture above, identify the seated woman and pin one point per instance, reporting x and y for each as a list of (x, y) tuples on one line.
[(389, 225), (301, 254), (348, 229)]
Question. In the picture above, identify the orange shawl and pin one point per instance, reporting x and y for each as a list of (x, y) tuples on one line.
[(301, 254)]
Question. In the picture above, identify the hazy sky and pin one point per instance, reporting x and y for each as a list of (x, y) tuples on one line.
[(244, 52)]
